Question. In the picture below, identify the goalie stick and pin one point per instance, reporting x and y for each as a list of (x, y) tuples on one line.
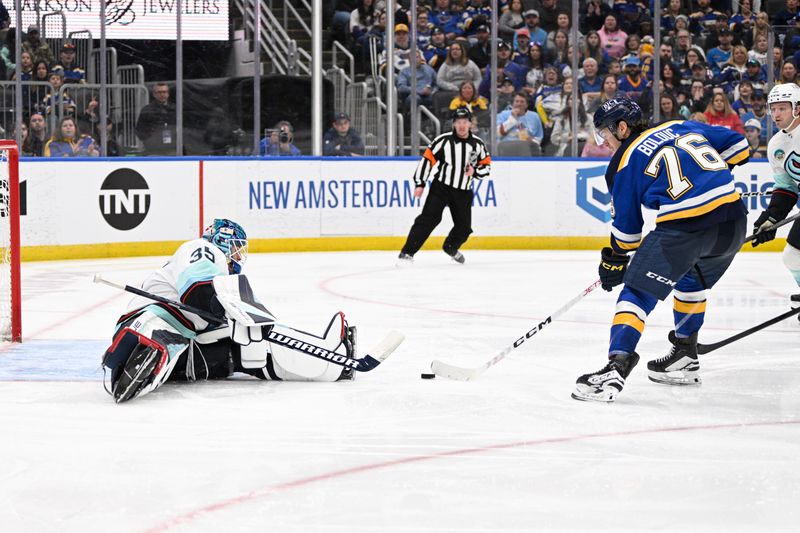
[(467, 374), (362, 364), (706, 348)]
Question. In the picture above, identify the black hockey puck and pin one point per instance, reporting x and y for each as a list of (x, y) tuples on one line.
[(427, 376)]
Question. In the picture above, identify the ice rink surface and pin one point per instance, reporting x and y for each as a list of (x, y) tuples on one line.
[(390, 452)]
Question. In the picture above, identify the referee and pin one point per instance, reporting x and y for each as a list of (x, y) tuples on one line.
[(452, 161)]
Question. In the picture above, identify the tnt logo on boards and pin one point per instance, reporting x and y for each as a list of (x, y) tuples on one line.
[(124, 199)]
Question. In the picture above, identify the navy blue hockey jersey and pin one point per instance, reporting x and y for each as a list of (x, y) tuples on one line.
[(679, 169)]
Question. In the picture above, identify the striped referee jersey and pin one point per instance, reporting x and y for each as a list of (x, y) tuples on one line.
[(447, 158)]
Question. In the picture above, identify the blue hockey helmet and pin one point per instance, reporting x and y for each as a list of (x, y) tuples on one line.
[(229, 237), (614, 111)]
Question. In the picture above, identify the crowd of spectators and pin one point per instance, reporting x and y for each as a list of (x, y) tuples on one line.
[(714, 61)]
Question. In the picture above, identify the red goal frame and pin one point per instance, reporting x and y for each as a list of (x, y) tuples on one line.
[(14, 246)]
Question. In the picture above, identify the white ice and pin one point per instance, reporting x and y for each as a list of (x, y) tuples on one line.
[(390, 452)]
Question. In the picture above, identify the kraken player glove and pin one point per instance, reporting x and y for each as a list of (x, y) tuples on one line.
[(762, 226)]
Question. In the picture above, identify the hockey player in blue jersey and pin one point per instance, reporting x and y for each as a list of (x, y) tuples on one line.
[(680, 169)]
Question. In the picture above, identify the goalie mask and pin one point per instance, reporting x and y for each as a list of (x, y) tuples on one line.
[(229, 237)]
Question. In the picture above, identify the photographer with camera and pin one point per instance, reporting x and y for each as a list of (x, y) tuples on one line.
[(278, 141)]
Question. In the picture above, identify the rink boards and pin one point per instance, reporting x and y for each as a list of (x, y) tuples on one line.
[(81, 208)]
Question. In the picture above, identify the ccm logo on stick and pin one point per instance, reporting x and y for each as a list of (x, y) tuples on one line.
[(661, 279)]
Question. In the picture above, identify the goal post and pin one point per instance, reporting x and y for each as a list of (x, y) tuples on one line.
[(10, 299)]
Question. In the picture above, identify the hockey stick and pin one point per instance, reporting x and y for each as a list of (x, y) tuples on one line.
[(362, 364), (706, 348), (775, 226), (466, 374)]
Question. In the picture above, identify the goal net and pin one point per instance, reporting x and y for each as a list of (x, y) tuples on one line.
[(10, 302)]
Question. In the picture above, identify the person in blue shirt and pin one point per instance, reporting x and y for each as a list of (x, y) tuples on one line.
[(519, 124), (717, 57), (681, 170)]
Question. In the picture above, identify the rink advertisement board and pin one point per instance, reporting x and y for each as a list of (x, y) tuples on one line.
[(108, 207), (80, 203), (350, 198)]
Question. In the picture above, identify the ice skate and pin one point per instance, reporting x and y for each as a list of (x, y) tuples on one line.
[(455, 255), (795, 301), (404, 260), (680, 366), (350, 339), (605, 384)]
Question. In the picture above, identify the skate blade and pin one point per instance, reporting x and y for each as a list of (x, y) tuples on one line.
[(684, 379), (601, 396)]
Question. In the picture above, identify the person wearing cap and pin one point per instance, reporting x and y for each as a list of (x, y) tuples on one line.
[(756, 74), (718, 56), (510, 20), (477, 13), (72, 72), (451, 162), (57, 99), (445, 17), (436, 51), (426, 84), (402, 49), (533, 23), (612, 38), (480, 51), (505, 69), (36, 47), (752, 132), (632, 83), (341, 139), (759, 112), (521, 44)]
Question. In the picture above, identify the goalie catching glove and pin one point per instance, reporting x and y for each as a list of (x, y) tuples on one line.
[(612, 268)]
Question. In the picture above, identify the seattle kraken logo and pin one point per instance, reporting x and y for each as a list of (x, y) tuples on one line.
[(792, 166)]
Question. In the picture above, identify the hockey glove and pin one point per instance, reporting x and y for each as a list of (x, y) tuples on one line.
[(612, 268), (762, 226)]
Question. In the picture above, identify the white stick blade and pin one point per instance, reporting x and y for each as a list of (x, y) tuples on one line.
[(454, 372), (388, 345)]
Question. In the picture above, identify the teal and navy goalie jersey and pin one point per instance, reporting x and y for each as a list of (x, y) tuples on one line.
[(680, 169)]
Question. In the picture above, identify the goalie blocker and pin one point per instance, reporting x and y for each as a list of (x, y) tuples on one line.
[(158, 343)]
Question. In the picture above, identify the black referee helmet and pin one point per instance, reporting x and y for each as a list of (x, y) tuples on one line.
[(462, 112)]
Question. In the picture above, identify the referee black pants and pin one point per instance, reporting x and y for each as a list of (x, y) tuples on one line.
[(440, 196)]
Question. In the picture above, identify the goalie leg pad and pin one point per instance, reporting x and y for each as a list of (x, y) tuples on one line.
[(294, 365), (142, 355)]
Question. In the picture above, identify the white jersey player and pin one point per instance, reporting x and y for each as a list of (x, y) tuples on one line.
[(156, 341), (783, 152)]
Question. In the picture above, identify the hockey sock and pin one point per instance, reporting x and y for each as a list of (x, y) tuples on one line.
[(791, 258), (633, 306), (689, 306)]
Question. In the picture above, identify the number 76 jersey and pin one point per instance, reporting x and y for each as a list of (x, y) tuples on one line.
[(680, 169)]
